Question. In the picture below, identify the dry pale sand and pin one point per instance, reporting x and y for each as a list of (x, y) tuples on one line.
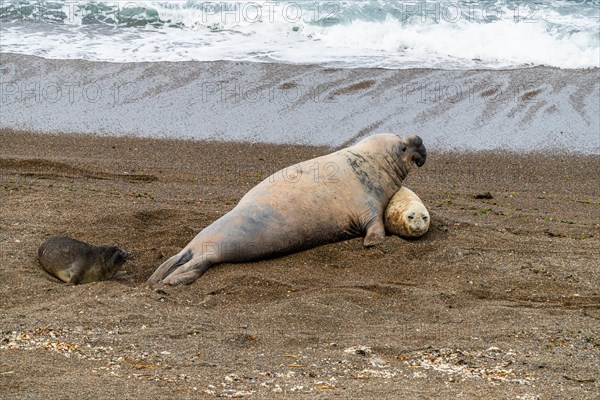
[(499, 300)]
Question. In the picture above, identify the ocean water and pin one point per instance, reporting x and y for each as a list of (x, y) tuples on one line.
[(349, 34)]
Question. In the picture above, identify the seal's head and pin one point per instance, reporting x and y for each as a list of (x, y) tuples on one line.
[(115, 257), (415, 220), (406, 215), (413, 151)]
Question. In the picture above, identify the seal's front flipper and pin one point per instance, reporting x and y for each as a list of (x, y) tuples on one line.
[(375, 233), (76, 273)]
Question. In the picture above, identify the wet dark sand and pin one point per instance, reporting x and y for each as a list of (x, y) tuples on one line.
[(528, 109)]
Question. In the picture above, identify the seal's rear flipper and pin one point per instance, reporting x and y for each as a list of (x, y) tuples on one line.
[(190, 271), (169, 266)]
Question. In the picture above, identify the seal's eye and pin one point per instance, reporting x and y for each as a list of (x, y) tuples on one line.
[(424, 217), (411, 217), (403, 149)]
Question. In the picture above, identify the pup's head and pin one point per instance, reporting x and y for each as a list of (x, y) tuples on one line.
[(416, 220), (116, 257)]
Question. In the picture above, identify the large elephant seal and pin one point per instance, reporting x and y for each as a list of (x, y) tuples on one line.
[(406, 215), (77, 262), (327, 199)]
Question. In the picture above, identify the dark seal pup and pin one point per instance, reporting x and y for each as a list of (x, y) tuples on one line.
[(76, 262), (327, 199)]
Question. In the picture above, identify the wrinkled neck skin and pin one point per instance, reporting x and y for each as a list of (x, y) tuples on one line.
[(394, 166)]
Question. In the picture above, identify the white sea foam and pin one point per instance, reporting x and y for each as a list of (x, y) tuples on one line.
[(384, 33)]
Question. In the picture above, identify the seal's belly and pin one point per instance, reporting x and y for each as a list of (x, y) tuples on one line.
[(253, 231)]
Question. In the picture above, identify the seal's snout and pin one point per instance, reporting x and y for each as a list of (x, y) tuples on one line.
[(416, 141), (119, 256), (420, 161), (416, 150), (419, 228), (420, 153)]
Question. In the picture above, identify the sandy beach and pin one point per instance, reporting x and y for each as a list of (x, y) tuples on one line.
[(137, 125), (499, 300)]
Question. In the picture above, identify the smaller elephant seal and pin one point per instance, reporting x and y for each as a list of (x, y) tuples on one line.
[(77, 262), (405, 215)]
